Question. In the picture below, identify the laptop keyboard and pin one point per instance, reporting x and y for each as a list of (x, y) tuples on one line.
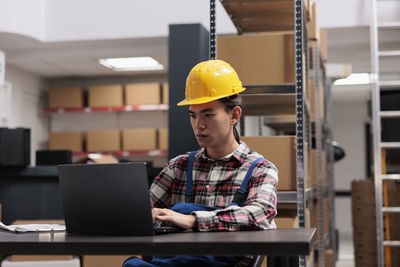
[(163, 228), (167, 229)]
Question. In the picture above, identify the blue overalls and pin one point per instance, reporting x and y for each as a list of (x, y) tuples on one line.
[(187, 208)]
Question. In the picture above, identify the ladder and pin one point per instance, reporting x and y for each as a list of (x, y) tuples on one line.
[(380, 176)]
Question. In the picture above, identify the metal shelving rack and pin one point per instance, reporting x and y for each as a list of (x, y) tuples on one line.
[(273, 100), (285, 107)]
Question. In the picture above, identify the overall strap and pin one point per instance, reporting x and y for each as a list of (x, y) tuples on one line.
[(189, 197), (241, 192)]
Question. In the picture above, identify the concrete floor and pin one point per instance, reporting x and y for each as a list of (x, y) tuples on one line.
[(346, 251)]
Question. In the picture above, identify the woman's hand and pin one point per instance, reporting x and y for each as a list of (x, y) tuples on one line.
[(175, 218)]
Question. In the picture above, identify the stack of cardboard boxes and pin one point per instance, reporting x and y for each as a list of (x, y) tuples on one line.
[(110, 140), (364, 222)]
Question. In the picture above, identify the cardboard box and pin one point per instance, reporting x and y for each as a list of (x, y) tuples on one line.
[(103, 141), (66, 141), (163, 139), (106, 96), (281, 151), (16, 222), (142, 94), (97, 158), (323, 42), (74, 262), (139, 139), (66, 97), (165, 93), (290, 219), (104, 260), (307, 6), (329, 258), (264, 264), (40, 257), (266, 58), (313, 28)]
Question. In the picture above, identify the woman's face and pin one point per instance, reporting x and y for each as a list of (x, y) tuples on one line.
[(212, 124)]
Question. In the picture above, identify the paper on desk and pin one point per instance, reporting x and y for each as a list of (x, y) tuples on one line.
[(32, 227)]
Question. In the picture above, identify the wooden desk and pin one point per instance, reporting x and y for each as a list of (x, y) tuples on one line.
[(280, 242)]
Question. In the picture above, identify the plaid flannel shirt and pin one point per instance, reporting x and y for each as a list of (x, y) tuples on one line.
[(215, 183)]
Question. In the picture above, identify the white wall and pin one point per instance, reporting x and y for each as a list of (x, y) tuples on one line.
[(349, 120), (25, 17), (354, 13), (93, 19), (60, 20), (26, 106)]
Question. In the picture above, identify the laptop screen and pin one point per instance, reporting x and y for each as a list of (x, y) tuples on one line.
[(106, 199)]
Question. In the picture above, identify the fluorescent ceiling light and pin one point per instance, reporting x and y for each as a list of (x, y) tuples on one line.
[(355, 78), (131, 63)]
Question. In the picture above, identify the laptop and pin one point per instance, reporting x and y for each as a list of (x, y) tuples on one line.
[(107, 199)]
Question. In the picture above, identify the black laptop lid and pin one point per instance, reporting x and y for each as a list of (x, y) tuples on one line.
[(106, 199)]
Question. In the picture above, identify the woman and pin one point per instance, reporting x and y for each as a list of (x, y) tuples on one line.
[(226, 185)]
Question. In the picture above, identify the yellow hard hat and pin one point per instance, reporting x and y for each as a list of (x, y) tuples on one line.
[(211, 80)]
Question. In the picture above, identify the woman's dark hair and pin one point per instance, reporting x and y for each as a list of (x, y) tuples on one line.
[(230, 102)]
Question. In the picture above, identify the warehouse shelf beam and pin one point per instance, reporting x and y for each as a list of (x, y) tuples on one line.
[(269, 104), (291, 196), (288, 123), (272, 104)]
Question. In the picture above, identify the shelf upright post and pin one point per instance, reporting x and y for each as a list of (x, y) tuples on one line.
[(213, 41), (300, 125)]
